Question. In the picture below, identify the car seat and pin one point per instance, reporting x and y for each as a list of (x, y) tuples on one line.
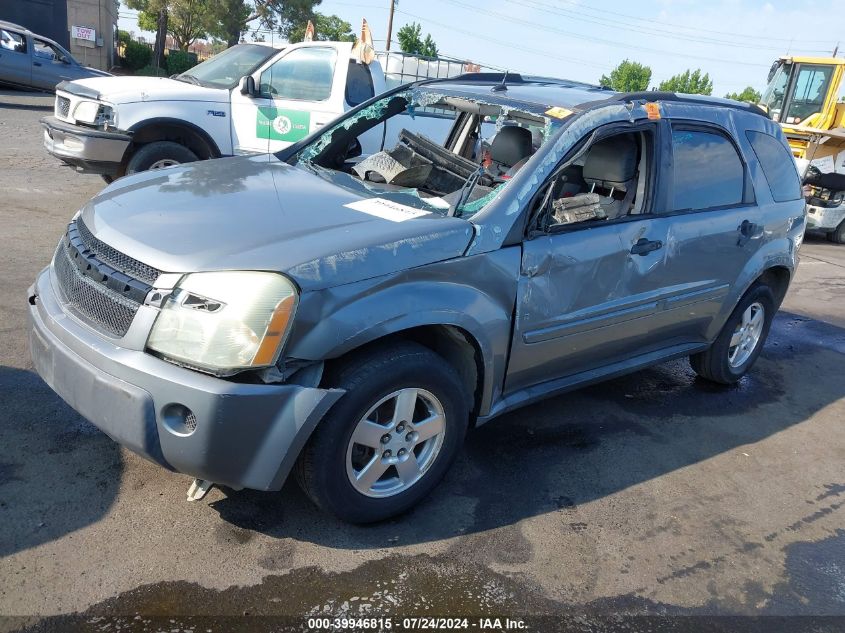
[(511, 145), (611, 168)]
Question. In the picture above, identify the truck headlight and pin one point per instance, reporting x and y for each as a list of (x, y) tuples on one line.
[(93, 113), (224, 322)]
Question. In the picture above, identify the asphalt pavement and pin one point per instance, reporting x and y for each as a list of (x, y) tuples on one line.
[(655, 494)]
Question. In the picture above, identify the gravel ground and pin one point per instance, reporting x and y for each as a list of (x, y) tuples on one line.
[(655, 493)]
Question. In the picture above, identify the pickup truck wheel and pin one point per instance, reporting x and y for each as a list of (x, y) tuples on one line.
[(741, 339), (390, 439), (837, 235), (159, 155)]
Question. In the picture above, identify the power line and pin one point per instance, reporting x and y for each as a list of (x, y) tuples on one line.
[(626, 26), (603, 13), (521, 47), (613, 43)]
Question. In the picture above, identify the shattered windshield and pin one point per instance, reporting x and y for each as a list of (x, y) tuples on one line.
[(430, 149)]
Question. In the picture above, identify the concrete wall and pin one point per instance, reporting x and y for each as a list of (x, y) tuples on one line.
[(101, 15)]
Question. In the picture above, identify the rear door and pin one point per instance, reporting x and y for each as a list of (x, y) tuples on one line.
[(300, 91), (15, 60), (714, 228)]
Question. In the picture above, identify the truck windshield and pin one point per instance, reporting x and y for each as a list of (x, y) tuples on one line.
[(225, 69), (775, 92), (430, 149)]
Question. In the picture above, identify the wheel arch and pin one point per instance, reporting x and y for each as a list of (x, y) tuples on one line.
[(178, 131)]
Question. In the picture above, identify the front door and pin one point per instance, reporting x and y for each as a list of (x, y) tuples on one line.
[(300, 91), (15, 58), (590, 292), (48, 65)]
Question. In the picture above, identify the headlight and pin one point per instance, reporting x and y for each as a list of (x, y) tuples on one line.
[(93, 113), (223, 322)]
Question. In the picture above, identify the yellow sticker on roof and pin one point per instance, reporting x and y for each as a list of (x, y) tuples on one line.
[(558, 112)]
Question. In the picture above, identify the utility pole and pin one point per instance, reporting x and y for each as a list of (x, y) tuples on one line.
[(390, 24)]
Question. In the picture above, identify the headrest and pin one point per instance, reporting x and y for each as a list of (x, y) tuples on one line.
[(612, 162), (510, 145)]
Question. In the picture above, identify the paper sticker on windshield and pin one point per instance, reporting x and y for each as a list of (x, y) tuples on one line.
[(386, 209), (282, 125), (558, 112)]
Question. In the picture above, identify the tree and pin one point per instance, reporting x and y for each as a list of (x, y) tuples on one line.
[(692, 83), (287, 17), (327, 28), (184, 20), (749, 94), (627, 77), (157, 8), (411, 41)]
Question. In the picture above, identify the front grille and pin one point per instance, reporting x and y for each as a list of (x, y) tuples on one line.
[(115, 258), (191, 421), (100, 284), (62, 107), (103, 307)]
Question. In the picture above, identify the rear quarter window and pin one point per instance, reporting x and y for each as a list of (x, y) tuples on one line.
[(778, 166)]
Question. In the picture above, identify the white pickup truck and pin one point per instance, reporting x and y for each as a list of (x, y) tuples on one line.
[(251, 98)]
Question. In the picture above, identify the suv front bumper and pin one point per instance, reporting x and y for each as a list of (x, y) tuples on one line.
[(245, 435), (87, 149)]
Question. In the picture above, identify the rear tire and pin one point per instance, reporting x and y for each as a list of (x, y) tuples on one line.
[(837, 235), (159, 155), (741, 340), (333, 467)]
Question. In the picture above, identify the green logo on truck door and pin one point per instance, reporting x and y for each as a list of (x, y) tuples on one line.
[(282, 125)]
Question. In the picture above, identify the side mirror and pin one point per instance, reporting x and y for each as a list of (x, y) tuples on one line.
[(247, 86)]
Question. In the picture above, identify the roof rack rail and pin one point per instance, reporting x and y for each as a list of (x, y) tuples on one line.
[(659, 95)]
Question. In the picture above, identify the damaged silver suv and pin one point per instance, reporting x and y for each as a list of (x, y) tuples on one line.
[(348, 317)]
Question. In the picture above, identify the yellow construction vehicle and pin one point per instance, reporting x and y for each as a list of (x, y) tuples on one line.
[(805, 92)]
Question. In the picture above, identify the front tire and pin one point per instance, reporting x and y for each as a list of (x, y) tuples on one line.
[(159, 155), (741, 340), (390, 439)]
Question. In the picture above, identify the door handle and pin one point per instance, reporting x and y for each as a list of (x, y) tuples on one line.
[(36, 63), (747, 230), (645, 246)]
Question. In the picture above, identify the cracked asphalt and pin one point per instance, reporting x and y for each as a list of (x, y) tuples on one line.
[(652, 494)]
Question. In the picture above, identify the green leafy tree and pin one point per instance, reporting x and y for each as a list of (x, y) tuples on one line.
[(411, 41), (287, 17), (327, 28), (187, 20), (157, 8), (749, 94), (628, 76), (692, 83)]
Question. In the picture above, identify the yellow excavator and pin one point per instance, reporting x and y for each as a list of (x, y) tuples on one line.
[(806, 95)]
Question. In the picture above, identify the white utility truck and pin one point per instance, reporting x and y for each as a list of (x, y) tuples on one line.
[(251, 98)]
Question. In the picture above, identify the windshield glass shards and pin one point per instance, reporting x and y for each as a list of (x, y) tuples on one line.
[(431, 149)]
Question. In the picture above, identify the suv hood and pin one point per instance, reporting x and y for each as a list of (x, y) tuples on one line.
[(258, 213), (119, 90)]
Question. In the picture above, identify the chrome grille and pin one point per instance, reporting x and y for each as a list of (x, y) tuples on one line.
[(104, 308), (115, 258), (62, 107)]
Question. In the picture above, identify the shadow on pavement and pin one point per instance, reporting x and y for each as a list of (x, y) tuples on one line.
[(58, 473), (585, 445)]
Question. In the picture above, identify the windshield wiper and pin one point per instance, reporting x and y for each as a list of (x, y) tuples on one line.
[(466, 190), (188, 79)]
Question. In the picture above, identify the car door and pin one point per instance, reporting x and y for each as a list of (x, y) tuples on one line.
[(15, 61), (299, 91), (589, 294), (48, 65), (713, 225)]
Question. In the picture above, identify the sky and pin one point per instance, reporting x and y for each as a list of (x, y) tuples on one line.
[(735, 41)]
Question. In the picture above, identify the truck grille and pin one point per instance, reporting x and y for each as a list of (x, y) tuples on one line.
[(62, 107), (97, 283)]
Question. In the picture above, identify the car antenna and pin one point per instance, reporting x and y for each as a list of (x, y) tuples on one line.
[(502, 86)]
